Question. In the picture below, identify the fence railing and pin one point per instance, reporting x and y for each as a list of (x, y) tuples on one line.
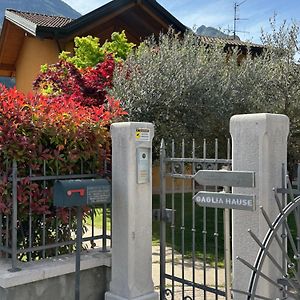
[(193, 232), (32, 228), (296, 175)]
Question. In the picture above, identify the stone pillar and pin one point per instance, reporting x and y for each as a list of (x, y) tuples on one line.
[(259, 143), (131, 276)]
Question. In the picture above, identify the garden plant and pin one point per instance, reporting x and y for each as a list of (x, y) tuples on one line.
[(61, 128)]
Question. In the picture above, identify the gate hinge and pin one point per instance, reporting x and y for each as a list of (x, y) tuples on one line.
[(166, 215)]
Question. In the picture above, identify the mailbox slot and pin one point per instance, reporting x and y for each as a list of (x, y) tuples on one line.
[(92, 192)]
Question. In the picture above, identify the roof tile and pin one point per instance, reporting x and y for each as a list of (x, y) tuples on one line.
[(232, 42), (43, 20)]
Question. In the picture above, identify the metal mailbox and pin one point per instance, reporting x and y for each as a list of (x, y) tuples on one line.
[(92, 192)]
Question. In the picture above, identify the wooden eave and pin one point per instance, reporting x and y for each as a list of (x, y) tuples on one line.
[(146, 14), (136, 21), (11, 40)]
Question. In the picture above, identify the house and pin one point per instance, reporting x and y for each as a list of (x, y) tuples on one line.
[(29, 40), (244, 48)]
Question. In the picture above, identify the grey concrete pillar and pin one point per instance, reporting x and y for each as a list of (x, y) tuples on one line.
[(131, 212), (260, 145)]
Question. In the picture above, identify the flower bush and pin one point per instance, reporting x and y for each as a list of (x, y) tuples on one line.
[(56, 130), (87, 86)]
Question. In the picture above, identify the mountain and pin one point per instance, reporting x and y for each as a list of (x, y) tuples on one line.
[(211, 31), (50, 7)]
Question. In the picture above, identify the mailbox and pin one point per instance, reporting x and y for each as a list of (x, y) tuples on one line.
[(91, 192)]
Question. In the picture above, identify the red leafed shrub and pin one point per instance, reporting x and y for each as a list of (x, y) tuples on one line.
[(35, 127), (87, 86), (61, 130)]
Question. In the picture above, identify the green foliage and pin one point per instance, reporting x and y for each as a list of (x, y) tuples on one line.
[(189, 90), (119, 46), (88, 52), (176, 85)]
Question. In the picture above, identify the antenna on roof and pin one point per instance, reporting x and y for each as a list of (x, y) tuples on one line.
[(237, 18)]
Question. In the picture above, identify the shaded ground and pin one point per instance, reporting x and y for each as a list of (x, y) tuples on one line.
[(188, 273)]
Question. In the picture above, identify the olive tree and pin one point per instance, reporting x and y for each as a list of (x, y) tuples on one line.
[(190, 90), (181, 86)]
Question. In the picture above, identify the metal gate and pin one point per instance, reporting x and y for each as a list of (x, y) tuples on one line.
[(283, 233), (194, 241)]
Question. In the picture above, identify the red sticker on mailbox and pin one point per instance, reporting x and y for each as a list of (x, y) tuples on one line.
[(80, 191)]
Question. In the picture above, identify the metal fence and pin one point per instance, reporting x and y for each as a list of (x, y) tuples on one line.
[(191, 237), (31, 227), (279, 249)]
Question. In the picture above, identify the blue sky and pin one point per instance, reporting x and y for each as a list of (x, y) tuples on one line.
[(219, 13)]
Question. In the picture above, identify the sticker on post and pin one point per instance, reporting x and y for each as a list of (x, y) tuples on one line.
[(142, 135)]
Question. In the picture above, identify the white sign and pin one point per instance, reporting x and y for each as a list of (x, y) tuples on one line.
[(225, 178), (225, 200)]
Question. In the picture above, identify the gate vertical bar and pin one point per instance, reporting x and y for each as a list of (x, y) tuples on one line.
[(44, 215), (1, 233), (104, 228), (162, 221), (298, 233), (204, 231), (227, 247), (182, 221), (30, 219), (227, 252), (173, 222), (78, 252), (283, 231), (216, 233), (14, 220), (193, 220)]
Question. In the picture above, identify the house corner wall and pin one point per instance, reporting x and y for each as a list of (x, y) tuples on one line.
[(34, 53)]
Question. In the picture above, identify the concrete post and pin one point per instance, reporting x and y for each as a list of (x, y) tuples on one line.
[(132, 212), (260, 145)]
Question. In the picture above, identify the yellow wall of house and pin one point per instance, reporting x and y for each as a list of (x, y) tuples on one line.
[(176, 185), (34, 53)]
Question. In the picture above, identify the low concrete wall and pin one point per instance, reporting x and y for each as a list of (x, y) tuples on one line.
[(55, 278)]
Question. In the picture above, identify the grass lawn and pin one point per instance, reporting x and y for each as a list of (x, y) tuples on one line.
[(213, 218), (211, 249), (98, 218)]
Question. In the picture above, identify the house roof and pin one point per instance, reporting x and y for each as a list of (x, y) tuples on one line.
[(152, 6), (36, 19), (46, 26), (140, 18), (208, 40)]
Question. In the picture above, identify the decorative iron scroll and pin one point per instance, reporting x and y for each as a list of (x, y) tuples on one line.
[(168, 295), (177, 168)]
